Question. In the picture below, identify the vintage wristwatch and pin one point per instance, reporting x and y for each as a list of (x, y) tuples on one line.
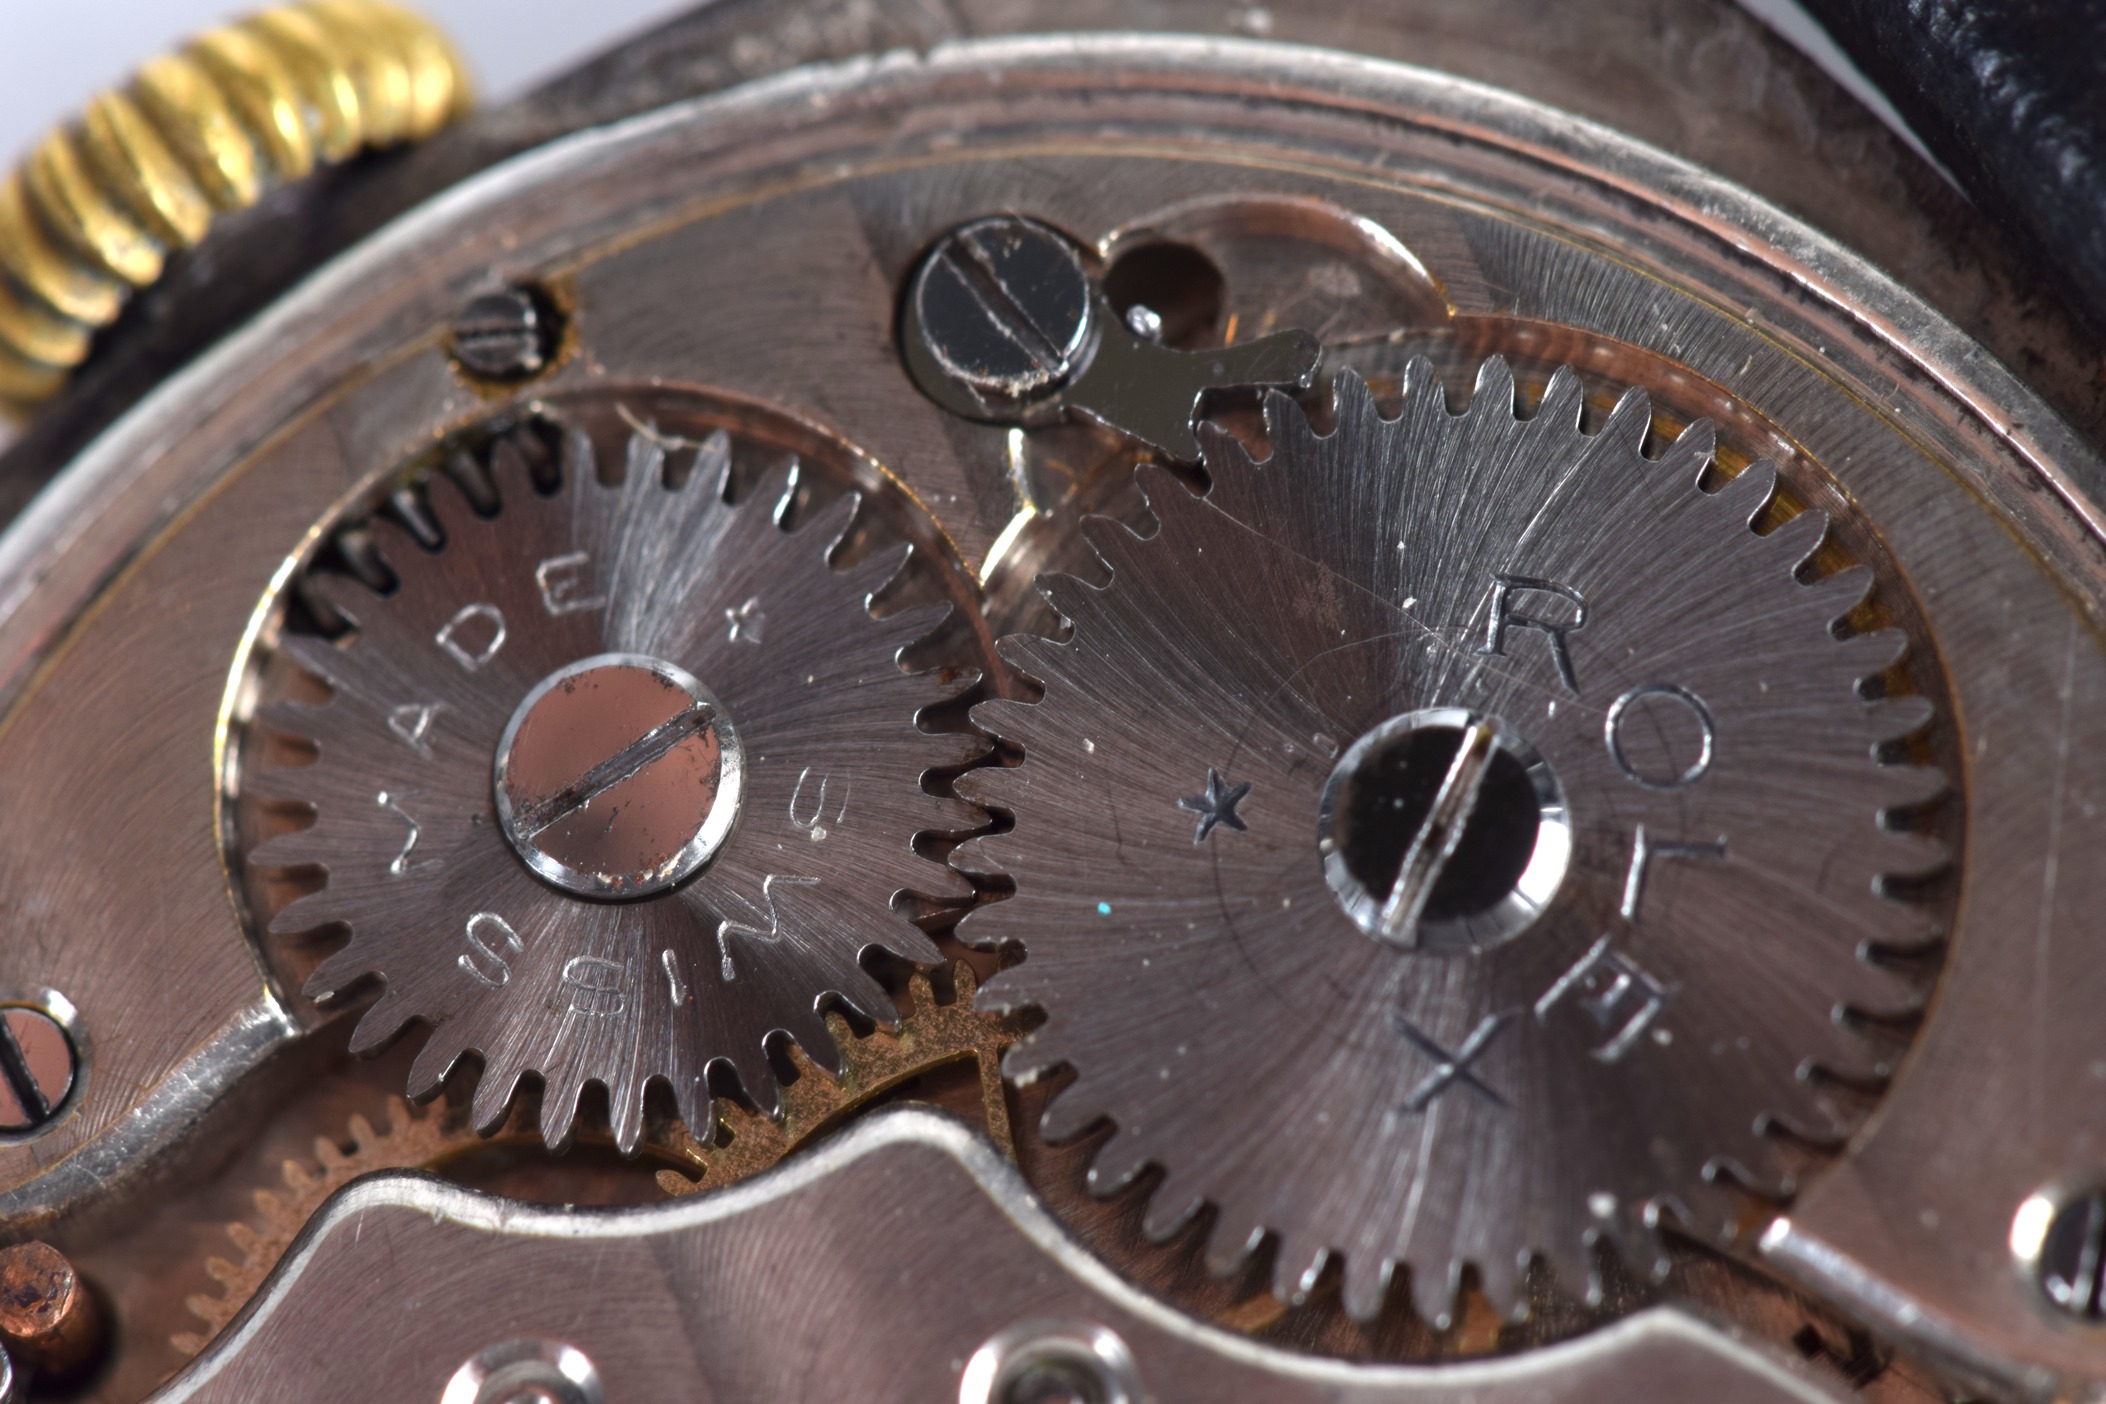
[(1012, 702)]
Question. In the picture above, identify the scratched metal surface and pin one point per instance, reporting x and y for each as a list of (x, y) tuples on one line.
[(161, 543), (784, 1289)]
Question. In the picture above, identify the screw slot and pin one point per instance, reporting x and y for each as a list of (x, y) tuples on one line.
[(40, 1062), (2063, 1241), (1431, 842), (509, 335), (1005, 308)]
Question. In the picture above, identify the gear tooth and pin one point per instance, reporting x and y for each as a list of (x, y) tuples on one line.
[(1234, 1236), (297, 848), (975, 858), (448, 503), (1798, 538), (318, 656), (1038, 1052), (1910, 785), (1904, 855), (905, 940), (281, 784), (1115, 543), (626, 1114), (1297, 1267), (759, 1083), (1495, 389), (559, 1112), (1870, 654), (397, 546), (289, 717), (1353, 404), (1574, 1266), (379, 1024), (362, 1137), (697, 1109), (1435, 1290), (1725, 1174), (1037, 659), (869, 579), (832, 525), (792, 484), (1069, 1114), (1502, 1280), (1285, 423), (1160, 489), (1065, 593), (1563, 400), (1167, 1215), (1747, 494), (311, 913), (1894, 718), (434, 1063), (1221, 451), (643, 462), (505, 465), (1840, 593), (493, 1098), (1366, 1287), (1425, 394), (1118, 1162), (336, 974), (1694, 448), (1629, 421)]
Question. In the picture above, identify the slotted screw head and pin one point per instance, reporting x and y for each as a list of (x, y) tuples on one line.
[(504, 335), (1005, 308), (38, 1063), (2072, 1260)]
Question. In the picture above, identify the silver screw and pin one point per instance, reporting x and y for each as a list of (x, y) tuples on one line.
[(1051, 1362), (506, 335), (525, 1372), (38, 1065), (1005, 308), (2071, 1263)]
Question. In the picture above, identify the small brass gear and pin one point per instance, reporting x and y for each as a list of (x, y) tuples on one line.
[(932, 1035)]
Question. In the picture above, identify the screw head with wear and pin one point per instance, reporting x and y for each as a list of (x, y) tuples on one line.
[(505, 335), (1005, 308), (38, 1066)]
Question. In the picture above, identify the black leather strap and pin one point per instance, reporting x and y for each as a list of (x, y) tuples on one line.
[(2011, 96)]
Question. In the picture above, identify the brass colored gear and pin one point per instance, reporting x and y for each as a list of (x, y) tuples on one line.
[(99, 206), (409, 1137), (932, 1035)]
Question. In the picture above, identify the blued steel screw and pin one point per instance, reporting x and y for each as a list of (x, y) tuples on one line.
[(1005, 308), (2072, 1262), (37, 1066), (507, 335)]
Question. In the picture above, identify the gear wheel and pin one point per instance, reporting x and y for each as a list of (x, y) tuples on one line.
[(402, 1137), (1454, 839), (933, 1034), (550, 840)]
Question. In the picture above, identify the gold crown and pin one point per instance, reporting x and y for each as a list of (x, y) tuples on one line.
[(98, 207)]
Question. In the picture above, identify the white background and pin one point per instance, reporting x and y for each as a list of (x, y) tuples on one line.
[(56, 54)]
